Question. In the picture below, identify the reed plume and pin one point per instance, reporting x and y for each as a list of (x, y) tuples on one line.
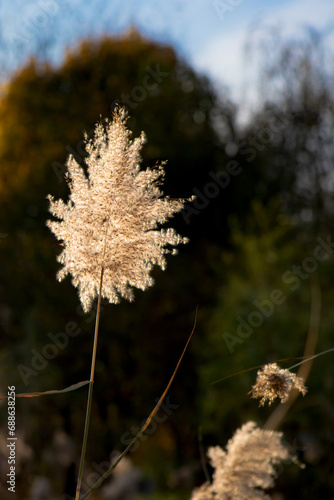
[(111, 219), (246, 469), (274, 382), (109, 227)]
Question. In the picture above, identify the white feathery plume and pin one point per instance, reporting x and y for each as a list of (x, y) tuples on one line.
[(246, 468), (109, 226)]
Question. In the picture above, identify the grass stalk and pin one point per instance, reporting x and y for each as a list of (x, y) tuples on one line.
[(90, 393), (146, 424)]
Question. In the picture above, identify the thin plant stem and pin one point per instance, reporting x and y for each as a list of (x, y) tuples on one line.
[(278, 415), (146, 424), (90, 393), (312, 357), (202, 455)]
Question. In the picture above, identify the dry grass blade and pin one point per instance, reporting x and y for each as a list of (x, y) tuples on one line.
[(73, 387), (148, 421)]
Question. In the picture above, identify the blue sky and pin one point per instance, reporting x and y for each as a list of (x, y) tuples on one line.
[(210, 34)]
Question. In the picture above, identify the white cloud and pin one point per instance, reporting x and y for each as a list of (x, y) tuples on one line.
[(223, 56)]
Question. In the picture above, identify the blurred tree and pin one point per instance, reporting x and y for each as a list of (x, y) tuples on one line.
[(293, 131), (43, 113)]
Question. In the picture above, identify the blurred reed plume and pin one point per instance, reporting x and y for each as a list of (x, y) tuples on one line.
[(246, 469)]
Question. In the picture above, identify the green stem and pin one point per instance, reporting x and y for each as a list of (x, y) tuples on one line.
[(90, 393)]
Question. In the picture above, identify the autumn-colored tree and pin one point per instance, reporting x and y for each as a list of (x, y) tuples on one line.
[(44, 111)]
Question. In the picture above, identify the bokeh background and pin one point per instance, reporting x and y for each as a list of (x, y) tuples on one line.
[(238, 97)]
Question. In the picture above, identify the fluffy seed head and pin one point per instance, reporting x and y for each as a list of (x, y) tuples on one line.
[(111, 219), (246, 469), (272, 382)]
